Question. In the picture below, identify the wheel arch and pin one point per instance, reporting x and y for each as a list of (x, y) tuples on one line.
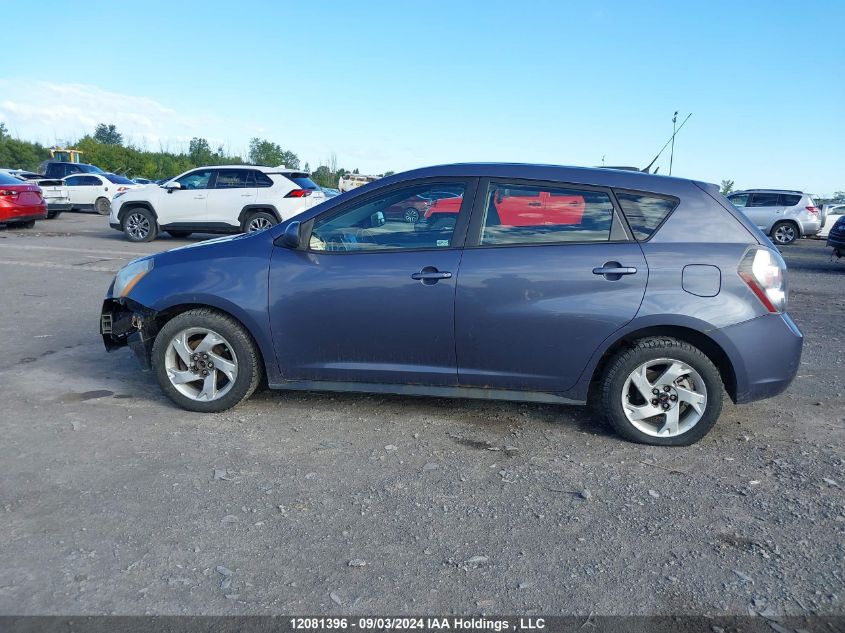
[(792, 221), (709, 346), (126, 207), (252, 208), (170, 312)]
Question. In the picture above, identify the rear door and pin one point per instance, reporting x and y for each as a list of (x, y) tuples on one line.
[(233, 190), (763, 209), (534, 301)]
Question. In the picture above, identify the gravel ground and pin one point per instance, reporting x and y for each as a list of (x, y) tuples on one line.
[(112, 501)]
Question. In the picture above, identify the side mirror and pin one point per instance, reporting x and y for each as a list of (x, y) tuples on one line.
[(291, 238), (172, 185), (377, 219)]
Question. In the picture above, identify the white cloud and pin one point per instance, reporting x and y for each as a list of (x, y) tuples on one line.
[(52, 112)]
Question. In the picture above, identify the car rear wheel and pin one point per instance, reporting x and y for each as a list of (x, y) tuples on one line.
[(206, 361), (23, 225), (102, 206), (411, 215), (663, 392), (52, 215), (139, 225), (784, 233), (179, 234), (259, 221)]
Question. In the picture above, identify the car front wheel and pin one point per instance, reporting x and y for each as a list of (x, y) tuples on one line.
[(661, 391), (139, 225), (206, 361)]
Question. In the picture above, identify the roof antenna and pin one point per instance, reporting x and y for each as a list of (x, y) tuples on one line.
[(671, 140)]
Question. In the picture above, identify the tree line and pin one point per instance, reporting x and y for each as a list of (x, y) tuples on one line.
[(106, 149)]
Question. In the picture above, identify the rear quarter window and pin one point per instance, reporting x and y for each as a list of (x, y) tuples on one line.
[(644, 211), (788, 200)]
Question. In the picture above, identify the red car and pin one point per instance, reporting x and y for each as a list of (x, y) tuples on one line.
[(21, 203), (519, 207)]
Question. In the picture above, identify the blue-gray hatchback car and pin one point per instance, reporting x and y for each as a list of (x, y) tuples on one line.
[(651, 295)]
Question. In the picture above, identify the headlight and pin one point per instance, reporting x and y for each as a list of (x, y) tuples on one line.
[(128, 276)]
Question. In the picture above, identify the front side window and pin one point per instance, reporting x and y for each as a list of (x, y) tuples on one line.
[(644, 212), (527, 214), (195, 179), (364, 226), (739, 199), (234, 179)]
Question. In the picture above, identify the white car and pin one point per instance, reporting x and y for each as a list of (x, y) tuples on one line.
[(221, 199), (831, 213), (353, 181), (94, 192)]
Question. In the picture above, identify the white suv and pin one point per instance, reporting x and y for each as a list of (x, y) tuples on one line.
[(224, 199)]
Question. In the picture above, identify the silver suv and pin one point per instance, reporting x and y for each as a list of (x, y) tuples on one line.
[(784, 215)]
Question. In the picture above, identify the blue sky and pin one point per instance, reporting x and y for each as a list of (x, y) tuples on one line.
[(396, 85)]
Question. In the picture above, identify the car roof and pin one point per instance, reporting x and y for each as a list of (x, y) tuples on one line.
[(766, 191), (598, 176), (281, 169)]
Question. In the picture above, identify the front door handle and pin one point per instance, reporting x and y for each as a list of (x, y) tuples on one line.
[(613, 271), (430, 275)]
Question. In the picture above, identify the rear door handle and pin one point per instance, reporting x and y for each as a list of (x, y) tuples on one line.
[(535, 204)]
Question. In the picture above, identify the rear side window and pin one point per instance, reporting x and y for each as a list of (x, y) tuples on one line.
[(302, 181), (262, 179), (788, 200), (527, 214), (763, 200), (645, 212)]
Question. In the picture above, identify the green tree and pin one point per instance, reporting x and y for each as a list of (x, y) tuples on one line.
[(199, 151), (727, 187), (388, 173), (3, 131), (264, 152), (108, 134)]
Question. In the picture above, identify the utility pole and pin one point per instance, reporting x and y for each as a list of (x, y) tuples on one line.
[(672, 152), (602, 160)]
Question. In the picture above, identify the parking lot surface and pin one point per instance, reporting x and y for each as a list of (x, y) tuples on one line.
[(113, 501)]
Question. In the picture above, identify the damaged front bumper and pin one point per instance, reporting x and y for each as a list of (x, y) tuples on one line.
[(124, 322)]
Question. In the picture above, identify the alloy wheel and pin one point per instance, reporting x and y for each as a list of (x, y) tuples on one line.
[(201, 364), (412, 216), (138, 226), (258, 224), (664, 397), (785, 234)]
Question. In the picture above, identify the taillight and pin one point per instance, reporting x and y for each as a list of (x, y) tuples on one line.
[(123, 188), (298, 193), (8, 192), (812, 209), (765, 273)]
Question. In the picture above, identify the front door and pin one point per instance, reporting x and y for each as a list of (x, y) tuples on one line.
[(370, 300), (188, 204), (233, 190), (763, 209), (534, 301)]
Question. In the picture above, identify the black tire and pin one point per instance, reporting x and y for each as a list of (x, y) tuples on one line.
[(785, 233), (620, 367), (250, 370), (23, 225), (256, 218), (179, 234), (52, 215), (102, 206), (139, 225)]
